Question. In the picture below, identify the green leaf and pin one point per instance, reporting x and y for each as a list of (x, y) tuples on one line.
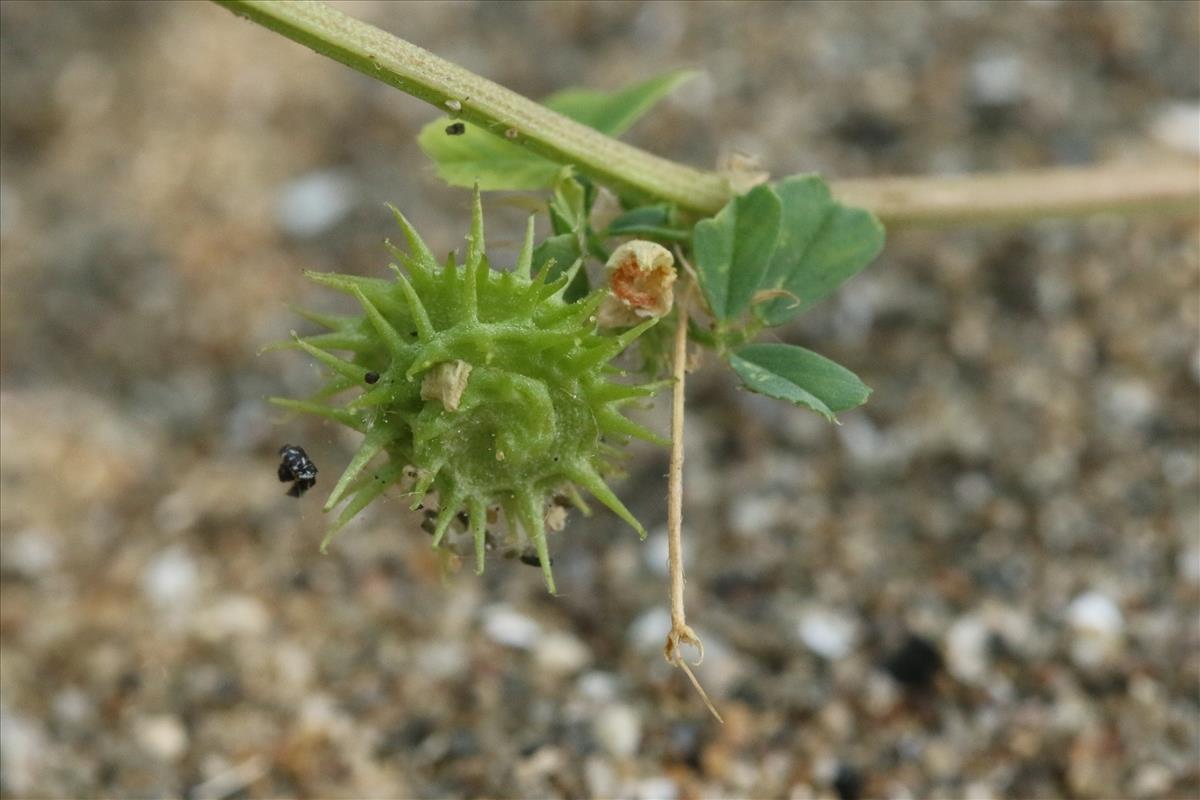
[(564, 250), (821, 244), (652, 221), (733, 250), (496, 163), (800, 376), (614, 113), (568, 204)]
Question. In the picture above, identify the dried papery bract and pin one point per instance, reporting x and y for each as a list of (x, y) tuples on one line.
[(640, 277)]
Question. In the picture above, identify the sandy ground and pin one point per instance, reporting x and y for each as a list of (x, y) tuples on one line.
[(985, 584)]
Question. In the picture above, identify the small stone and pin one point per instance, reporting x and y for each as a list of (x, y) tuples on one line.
[(294, 667), (233, 616), (162, 736), (1152, 780), (618, 729), (997, 79), (1128, 402), (73, 706), (978, 791), (597, 687), (1096, 612), (31, 552), (752, 515), (169, 580), (847, 782), (1188, 564), (507, 626), (1097, 629), (445, 659), (23, 752), (915, 663), (658, 788), (313, 203), (649, 631), (559, 653), (967, 649), (828, 633), (600, 776), (1177, 126), (656, 552)]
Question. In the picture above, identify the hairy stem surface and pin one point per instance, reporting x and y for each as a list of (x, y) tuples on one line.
[(505, 113), (680, 632), (905, 201)]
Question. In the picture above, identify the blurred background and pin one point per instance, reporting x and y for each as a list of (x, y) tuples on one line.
[(984, 584)]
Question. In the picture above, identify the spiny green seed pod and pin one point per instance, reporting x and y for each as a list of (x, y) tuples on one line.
[(484, 386)]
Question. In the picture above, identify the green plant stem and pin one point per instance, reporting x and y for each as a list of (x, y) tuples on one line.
[(898, 202), (503, 112), (1166, 188)]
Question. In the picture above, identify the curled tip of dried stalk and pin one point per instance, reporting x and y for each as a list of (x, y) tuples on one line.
[(680, 630), (700, 689)]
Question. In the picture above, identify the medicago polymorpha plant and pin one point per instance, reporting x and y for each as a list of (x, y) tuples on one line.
[(481, 387), (495, 389), (484, 390)]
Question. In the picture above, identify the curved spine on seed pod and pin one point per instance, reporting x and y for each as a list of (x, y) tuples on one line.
[(486, 387)]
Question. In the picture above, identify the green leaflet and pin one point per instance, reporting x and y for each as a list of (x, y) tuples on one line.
[(650, 222), (800, 376), (821, 244), (733, 250), (495, 163)]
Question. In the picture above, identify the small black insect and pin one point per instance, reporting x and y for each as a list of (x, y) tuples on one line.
[(456, 129), (371, 377), (296, 466), (530, 557)]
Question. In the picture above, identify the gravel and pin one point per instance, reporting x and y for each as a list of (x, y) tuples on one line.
[(983, 584)]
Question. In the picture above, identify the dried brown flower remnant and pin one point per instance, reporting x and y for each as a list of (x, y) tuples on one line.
[(640, 276), (446, 382)]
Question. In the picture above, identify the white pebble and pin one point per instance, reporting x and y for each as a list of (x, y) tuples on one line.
[(1097, 626), (660, 788), (997, 79), (237, 615), (649, 631), (509, 627), (162, 736), (752, 515), (559, 653), (314, 203), (600, 777), (1128, 401), (1177, 126), (447, 659), (1096, 612), (618, 729), (22, 752), (1188, 564), (656, 551), (72, 706), (828, 633), (967, 649), (169, 580), (294, 667), (31, 553), (598, 687)]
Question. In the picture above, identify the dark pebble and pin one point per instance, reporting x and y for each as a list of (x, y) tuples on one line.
[(915, 663)]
